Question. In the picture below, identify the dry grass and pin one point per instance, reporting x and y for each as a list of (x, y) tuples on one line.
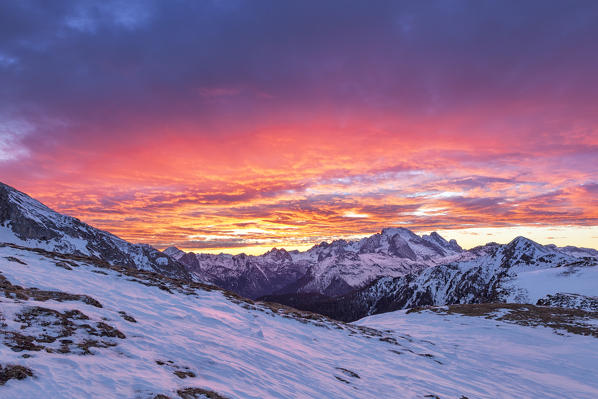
[(52, 326), (199, 393), (13, 372), (348, 372), (16, 260), (22, 293), (574, 321), (127, 317)]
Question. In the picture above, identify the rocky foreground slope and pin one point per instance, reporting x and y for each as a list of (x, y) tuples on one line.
[(77, 327)]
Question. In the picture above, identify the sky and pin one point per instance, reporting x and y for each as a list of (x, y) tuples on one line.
[(237, 126)]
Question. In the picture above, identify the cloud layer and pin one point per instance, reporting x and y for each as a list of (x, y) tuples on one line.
[(246, 124)]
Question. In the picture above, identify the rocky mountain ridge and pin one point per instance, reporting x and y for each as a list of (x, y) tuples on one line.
[(331, 269), (26, 221)]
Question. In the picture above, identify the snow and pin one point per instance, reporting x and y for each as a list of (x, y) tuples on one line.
[(162, 261), (254, 353), (508, 361), (531, 285), (174, 252)]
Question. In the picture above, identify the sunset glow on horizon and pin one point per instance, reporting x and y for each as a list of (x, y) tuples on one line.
[(242, 126)]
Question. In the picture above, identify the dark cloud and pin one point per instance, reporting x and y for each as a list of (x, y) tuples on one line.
[(489, 205), (590, 188), (90, 67), (149, 117), (482, 181)]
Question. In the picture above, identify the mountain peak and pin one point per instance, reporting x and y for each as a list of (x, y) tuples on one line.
[(174, 252), (522, 242), (522, 249), (437, 239), (277, 254), (402, 231)]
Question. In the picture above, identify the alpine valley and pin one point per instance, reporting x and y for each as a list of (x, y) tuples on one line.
[(84, 313)]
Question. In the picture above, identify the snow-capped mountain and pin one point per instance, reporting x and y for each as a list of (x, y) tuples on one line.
[(249, 276), (96, 330), (330, 269), (27, 222), (522, 271)]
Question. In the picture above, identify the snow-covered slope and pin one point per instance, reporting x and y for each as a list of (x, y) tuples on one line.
[(516, 361), (83, 328), (26, 221), (328, 268)]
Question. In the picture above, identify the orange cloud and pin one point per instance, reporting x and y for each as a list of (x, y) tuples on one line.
[(292, 187)]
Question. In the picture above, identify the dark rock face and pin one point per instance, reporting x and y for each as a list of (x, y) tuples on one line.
[(23, 227), (38, 226), (560, 300), (278, 255), (441, 242), (371, 243), (399, 247)]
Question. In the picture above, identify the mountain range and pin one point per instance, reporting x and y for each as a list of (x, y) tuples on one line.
[(329, 269), (345, 280), (521, 271), (86, 313)]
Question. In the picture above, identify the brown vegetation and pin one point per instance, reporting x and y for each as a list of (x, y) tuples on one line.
[(13, 372), (574, 321), (199, 393)]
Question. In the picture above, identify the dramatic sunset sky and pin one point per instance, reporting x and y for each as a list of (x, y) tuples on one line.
[(237, 126)]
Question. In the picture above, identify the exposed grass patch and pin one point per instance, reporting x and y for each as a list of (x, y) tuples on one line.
[(348, 372), (180, 371), (14, 372), (64, 265), (16, 260), (22, 293), (184, 374), (127, 317), (341, 379), (199, 393), (62, 332)]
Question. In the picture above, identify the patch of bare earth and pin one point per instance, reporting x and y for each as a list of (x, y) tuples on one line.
[(42, 328)]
